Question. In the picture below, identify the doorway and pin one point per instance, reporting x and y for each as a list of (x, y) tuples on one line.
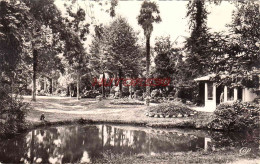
[(201, 94), (239, 93), (219, 90)]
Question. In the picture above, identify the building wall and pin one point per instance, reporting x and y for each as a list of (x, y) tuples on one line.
[(248, 95), (210, 105)]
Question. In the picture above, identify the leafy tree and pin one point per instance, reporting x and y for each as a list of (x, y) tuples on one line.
[(74, 50), (149, 14), (122, 47), (169, 63), (16, 26), (198, 57), (117, 44), (100, 62), (163, 65), (34, 31), (240, 58), (244, 43)]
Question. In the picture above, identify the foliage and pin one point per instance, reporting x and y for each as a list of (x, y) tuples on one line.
[(149, 14), (114, 50), (244, 43), (227, 141), (12, 111), (31, 39), (74, 50), (14, 23), (197, 44), (117, 44), (113, 3), (172, 108), (90, 94), (237, 54), (169, 62), (238, 116), (163, 65), (97, 58)]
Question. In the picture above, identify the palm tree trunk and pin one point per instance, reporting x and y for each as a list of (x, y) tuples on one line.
[(35, 60), (147, 69)]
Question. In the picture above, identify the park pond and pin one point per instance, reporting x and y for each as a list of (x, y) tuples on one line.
[(90, 143)]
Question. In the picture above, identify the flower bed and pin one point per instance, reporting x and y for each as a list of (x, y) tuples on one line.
[(173, 109)]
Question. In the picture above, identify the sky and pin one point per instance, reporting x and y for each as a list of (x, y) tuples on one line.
[(173, 13)]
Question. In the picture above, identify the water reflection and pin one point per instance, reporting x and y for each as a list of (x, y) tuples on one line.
[(70, 144)]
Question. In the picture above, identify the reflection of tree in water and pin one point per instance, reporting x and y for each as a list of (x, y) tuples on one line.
[(236, 140), (123, 141), (175, 142), (14, 149), (72, 144), (68, 144)]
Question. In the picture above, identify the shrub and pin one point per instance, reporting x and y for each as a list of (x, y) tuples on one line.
[(90, 94), (172, 108), (237, 116), (12, 112), (138, 93), (155, 93), (41, 93), (125, 91)]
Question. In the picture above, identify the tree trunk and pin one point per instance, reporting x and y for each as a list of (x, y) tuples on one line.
[(45, 85), (35, 58), (120, 82), (78, 85), (147, 69), (51, 86), (68, 90), (103, 85)]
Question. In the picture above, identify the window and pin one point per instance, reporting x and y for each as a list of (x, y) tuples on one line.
[(210, 91), (230, 94)]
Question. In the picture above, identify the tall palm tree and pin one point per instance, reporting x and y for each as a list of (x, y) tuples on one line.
[(149, 13)]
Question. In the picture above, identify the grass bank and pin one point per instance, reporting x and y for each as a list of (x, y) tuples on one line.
[(180, 157)]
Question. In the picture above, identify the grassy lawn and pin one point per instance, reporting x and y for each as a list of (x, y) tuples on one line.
[(181, 157), (63, 108)]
